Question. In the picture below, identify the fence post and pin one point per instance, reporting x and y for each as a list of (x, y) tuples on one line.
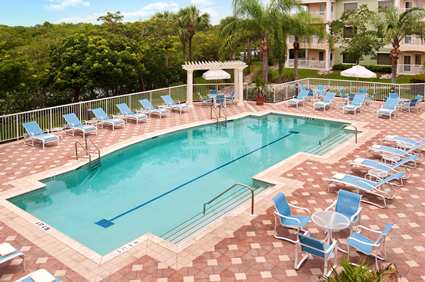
[(50, 120), (17, 127), (150, 96), (274, 95), (81, 111), (129, 101)]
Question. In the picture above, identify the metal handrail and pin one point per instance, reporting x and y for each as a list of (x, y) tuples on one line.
[(94, 145), (227, 190), (356, 132), (85, 150)]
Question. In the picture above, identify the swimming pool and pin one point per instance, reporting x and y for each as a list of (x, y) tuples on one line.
[(158, 184)]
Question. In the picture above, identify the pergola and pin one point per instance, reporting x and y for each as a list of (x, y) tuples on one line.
[(236, 66)]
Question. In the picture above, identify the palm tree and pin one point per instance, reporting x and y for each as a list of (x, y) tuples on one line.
[(395, 25), (190, 21), (302, 26), (262, 21)]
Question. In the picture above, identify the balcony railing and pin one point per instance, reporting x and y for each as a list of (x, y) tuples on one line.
[(311, 64), (410, 69), (314, 40), (414, 40)]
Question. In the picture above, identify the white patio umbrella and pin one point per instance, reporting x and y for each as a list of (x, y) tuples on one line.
[(358, 71), (215, 75)]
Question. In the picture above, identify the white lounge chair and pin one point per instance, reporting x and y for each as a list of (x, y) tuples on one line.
[(75, 125), (104, 119), (40, 275), (36, 134), (9, 253)]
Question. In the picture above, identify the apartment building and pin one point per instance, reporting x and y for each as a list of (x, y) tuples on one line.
[(317, 54)]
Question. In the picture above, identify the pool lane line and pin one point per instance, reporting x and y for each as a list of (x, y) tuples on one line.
[(105, 223)]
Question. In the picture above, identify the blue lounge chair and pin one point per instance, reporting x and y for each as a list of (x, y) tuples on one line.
[(380, 188), (75, 124), (392, 154), (371, 247), (9, 253), (348, 204), (389, 108), (128, 114), (326, 103), (393, 95), (39, 275), (285, 218), (104, 119), (36, 134), (310, 246), (320, 91), (356, 104), (384, 168), (151, 110), (300, 99), (405, 142), (363, 90), (168, 100)]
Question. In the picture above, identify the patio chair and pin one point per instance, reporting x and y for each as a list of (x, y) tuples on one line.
[(231, 97), (36, 134), (389, 108), (384, 168), (285, 218), (370, 187), (151, 110), (348, 204), (411, 105), (356, 104), (9, 253), (320, 91), (300, 99), (128, 114), (168, 100), (75, 125), (104, 119), (392, 154), (393, 95), (312, 247), (374, 247), (326, 103), (405, 142), (40, 275), (363, 90)]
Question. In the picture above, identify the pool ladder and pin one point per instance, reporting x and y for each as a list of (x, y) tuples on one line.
[(218, 115), (93, 162), (248, 188)]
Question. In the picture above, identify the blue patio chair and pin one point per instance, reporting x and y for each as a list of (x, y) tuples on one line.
[(384, 168), (310, 246), (151, 110), (39, 275), (356, 104), (231, 97), (392, 154), (9, 253), (320, 90), (104, 119), (348, 204), (36, 134), (389, 108), (300, 99), (285, 218), (342, 93), (326, 103), (380, 189), (363, 90), (374, 247), (393, 95), (411, 105), (405, 142), (75, 125), (168, 100), (212, 92), (128, 114)]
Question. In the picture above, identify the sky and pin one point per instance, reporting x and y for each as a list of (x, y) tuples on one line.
[(31, 12)]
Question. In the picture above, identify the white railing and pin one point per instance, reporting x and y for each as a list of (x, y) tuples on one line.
[(311, 64), (50, 118), (410, 69), (413, 40), (313, 40)]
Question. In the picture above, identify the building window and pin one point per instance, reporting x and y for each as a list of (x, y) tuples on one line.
[(385, 4), (408, 39), (347, 59), (348, 32), (407, 5), (348, 7), (383, 59), (301, 54), (418, 59), (322, 7), (321, 55)]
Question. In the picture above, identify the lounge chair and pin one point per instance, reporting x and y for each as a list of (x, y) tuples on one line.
[(285, 218), (392, 154), (40, 275), (313, 247), (9, 253), (320, 91), (356, 104), (389, 108), (300, 99), (36, 134), (375, 188), (405, 142), (151, 110), (104, 119), (326, 103), (410, 105), (384, 169), (231, 97), (370, 247), (75, 125), (168, 100), (348, 204), (128, 114)]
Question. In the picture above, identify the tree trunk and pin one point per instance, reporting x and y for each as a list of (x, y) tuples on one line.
[(190, 47), (395, 53), (296, 49), (77, 94), (265, 58), (249, 51)]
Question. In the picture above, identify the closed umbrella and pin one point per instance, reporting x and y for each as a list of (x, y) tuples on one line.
[(215, 75), (358, 71)]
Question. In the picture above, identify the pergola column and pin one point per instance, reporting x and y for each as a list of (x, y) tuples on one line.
[(236, 83), (189, 87), (240, 88)]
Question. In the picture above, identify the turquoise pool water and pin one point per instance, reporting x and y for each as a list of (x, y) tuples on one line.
[(155, 185)]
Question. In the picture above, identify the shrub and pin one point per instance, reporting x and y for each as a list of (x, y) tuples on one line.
[(419, 78)]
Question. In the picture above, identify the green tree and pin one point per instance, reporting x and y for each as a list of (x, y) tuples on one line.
[(111, 18), (190, 21), (395, 25)]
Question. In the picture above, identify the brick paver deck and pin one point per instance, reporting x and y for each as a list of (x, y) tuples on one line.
[(252, 254)]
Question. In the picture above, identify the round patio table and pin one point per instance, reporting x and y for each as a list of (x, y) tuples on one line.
[(331, 221)]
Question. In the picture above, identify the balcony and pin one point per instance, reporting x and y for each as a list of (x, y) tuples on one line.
[(307, 64), (409, 69), (315, 42)]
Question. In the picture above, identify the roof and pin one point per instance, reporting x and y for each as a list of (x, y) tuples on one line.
[(214, 65)]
